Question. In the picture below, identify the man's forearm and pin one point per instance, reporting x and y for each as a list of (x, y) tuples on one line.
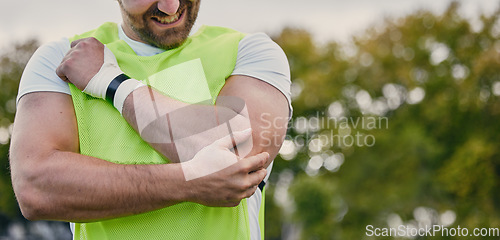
[(74, 187), (71, 187), (53, 181)]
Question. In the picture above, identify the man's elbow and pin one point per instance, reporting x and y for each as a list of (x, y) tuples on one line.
[(30, 199), (268, 139), (30, 205), (29, 209)]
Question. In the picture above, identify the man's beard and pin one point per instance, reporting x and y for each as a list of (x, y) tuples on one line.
[(169, 38)]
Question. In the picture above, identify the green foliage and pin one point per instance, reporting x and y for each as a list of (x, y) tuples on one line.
[(435, 79), (317, 206)]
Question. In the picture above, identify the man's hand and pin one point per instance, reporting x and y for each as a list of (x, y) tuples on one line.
[(218, 177), (92, 68), (82, 62), (229, 186), (216, 156)]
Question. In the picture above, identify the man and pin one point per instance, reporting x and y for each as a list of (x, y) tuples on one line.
[(155, 161)]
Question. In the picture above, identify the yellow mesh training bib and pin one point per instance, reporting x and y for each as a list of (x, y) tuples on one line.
[(192, 73)]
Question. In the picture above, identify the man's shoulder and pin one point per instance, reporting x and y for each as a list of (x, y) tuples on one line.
[(40, 72), (246, 40)]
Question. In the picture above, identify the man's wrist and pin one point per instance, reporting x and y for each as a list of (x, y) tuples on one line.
[(119, 88), (113, 86), (99, 83), (179, 190)]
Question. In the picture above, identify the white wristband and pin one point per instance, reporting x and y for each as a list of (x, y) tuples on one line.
[(98, 85), (125, 88)]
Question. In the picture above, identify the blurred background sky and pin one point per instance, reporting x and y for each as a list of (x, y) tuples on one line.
[(325, 19)]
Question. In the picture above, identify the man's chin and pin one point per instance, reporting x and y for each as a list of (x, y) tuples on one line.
[(165, 40), (170, 46), (170, 43)]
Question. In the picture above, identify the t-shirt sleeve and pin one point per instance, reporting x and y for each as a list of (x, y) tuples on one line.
[(40, 73), (261, 58)]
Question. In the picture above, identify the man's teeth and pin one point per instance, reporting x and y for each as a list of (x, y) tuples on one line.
[(169, 19)]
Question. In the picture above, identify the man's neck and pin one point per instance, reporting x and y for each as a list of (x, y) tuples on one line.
[(140, 48)]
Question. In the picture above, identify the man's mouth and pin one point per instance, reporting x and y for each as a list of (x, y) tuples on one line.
[(168, 19)]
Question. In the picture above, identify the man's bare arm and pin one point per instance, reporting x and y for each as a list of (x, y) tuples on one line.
[(268, 112), (53, 181)]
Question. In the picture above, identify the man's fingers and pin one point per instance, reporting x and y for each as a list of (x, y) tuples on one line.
[(63, 68), (257, 177), (234, 139), (74, 43), (256, 162), (61, 72), (251, 191)]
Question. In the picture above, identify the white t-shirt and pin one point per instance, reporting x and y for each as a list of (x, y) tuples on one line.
[(258, 56)]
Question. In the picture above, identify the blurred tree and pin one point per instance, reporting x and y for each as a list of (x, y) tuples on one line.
[(427, 87)]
